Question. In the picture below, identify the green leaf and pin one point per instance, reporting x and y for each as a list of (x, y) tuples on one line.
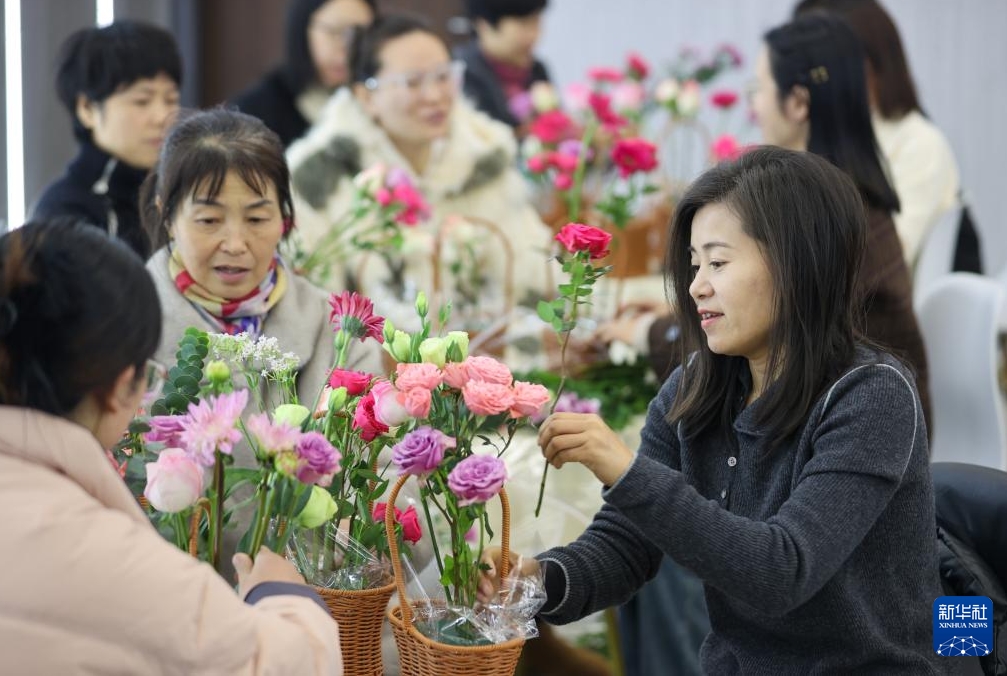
[(546, 311), (176, 403)]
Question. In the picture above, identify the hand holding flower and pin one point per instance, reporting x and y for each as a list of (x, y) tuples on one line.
[(584, 438)]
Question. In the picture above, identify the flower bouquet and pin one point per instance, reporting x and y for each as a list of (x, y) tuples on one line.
[(464, 411)]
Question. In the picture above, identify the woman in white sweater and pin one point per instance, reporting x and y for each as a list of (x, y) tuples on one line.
[(403, 111)]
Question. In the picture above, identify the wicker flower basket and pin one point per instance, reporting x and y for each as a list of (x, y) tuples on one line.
[(421, 656), (360, 614)]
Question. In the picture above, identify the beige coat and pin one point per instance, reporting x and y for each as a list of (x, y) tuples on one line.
[(89, 587)]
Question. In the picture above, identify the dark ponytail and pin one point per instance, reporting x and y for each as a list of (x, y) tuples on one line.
[(76, 309)]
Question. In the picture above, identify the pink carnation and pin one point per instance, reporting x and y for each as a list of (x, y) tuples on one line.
[(529, 399), (423, 375), (485, 398), (416, 402)]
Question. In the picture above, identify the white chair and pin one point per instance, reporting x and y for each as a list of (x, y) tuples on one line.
[(959, 317), (937, 254)]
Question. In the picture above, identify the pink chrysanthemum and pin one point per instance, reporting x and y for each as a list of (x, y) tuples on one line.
[(210, 426), (354, 314), (273, 437)]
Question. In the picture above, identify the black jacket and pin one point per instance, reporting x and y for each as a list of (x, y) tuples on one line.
[(483, 88), (273, 101), (99, 189)]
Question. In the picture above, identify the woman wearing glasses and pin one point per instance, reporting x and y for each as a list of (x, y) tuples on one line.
[(404, 111), (88, 584), (290, 98)]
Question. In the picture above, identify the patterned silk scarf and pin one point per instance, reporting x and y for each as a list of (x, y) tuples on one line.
[(232, 315)]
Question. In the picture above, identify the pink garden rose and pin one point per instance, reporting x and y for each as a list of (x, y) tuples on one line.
[(408, 519), (579, 237), (387, 407), (488, 370), (483, 398), (355, 382), (416, 401), (421, 451), (318, 460), (477, 478), (529, 399), (633, 155), (423, 375), (174, 481), (365, 420)]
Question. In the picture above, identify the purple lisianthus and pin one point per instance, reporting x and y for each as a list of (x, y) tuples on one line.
[(421, 451), (318, 460), (166, 429), (477, 478)]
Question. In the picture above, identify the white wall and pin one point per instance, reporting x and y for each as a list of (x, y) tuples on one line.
[(957, 51)]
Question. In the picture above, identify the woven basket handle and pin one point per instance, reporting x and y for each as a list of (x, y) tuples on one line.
[(393, 546), (202, 505)]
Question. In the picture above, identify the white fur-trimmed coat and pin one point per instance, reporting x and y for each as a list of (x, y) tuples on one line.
[(471, 173)]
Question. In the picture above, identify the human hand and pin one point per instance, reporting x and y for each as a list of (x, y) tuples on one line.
[(267, 567), (489, 573), (584, 438)]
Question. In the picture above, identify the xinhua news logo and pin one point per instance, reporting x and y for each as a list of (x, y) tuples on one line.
[(963, 626)]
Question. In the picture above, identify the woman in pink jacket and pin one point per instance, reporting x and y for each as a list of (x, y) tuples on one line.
[(89, 586)]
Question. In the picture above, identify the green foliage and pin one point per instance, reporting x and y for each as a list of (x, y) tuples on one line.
[(182, 386)]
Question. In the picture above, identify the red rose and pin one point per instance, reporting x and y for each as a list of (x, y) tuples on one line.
[(637, 68), (724, 99), (579, 237), (355, 382), (634, 155), (409, 520), (552, 127)]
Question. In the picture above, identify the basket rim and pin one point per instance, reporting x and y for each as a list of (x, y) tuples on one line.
[(394, 615), (373, 591)]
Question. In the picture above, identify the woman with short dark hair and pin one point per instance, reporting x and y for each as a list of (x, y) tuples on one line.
[(89, 586), (119, 83), (783, 463)]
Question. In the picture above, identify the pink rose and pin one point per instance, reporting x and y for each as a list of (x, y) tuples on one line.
[(423, 375), (477, 478), (174, 481), (579, 237), (383, 196), (565, 159), (387, 408), (483, 398), (575, 96), (562, 182), (529, 399), (355, 382), (537, 164), (489, 370), (634, 155), (408, 519), (365, 420), (416, 401), (724, 98), (552, 127), (601, 104), (725, 148), (456, 375)]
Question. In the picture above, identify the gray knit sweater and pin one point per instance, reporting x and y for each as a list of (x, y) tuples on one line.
[(817, 559)]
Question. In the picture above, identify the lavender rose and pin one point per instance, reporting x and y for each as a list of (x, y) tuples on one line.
[(421, 451), (318, 460), (477, 478)]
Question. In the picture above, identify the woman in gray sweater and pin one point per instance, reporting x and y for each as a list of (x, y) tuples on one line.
[(785, 464)]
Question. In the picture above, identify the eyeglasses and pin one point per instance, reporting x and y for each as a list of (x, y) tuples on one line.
[(341, 35), (155, 374), (442, 77)]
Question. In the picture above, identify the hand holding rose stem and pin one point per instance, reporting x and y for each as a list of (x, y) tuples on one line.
[(587, 244)]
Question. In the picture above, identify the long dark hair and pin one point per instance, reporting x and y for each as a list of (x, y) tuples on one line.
[(822, 54), (298, 67), (77, 307), (809, 222), (894, 90), (365, 53), (200, 150)]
